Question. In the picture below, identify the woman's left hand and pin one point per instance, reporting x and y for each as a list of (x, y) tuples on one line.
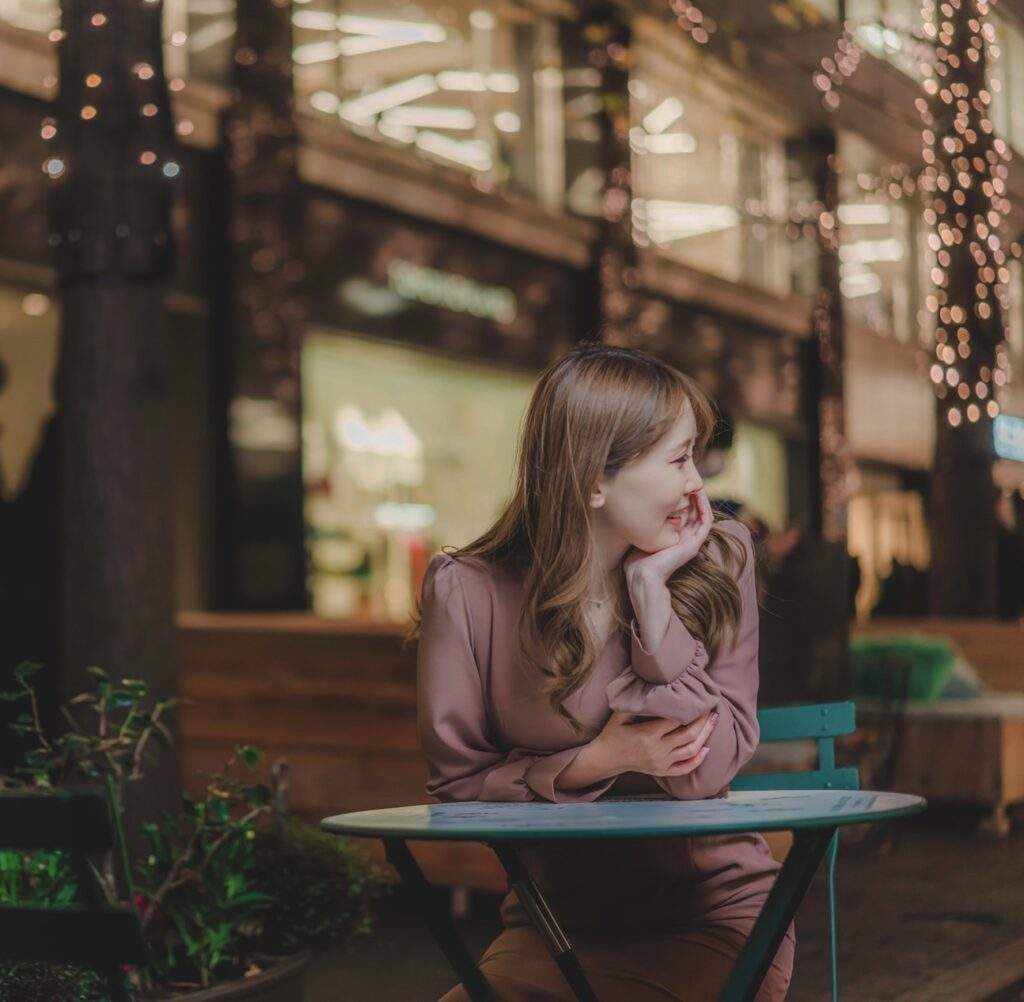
[(693, 531)]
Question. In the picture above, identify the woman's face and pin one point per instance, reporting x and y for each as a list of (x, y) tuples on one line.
[(636, 504)]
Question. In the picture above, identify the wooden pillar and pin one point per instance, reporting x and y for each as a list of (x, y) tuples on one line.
[(260, 314), (964, 182), (113, 169)]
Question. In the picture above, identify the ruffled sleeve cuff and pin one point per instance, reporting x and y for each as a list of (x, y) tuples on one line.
[(524, 776), (546, 769), (678, 651)]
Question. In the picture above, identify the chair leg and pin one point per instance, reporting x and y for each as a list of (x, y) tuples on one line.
[(830, 886)]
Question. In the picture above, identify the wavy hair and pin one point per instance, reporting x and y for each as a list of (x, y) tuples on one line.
[(593, 410)]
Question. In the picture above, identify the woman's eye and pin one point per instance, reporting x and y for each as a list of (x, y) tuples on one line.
[(684, 459)]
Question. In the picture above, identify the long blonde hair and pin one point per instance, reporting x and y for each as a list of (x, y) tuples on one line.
[(593, 410)]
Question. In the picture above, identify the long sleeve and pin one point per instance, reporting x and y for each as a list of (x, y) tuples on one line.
[(676, 682), (463, 762)]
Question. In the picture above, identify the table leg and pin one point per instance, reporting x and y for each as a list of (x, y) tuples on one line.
[(809, 847), (439, 921), (544, 921)]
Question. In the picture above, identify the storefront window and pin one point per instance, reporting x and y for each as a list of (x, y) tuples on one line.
[(462, 84), (879, 227), (28, 357), (31, 15), (887, 29), (404, 451), (1006, 78), (199, 38), (198, 34), (754, 475), (709, 178)]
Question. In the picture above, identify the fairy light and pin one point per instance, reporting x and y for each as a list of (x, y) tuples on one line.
[(693, 21), (834, 69), (100, 83), (964, 188)]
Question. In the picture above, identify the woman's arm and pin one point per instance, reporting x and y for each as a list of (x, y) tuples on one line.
[(464, 763), (674, 680)]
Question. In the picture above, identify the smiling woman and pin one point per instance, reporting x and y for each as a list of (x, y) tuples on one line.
[(524, 693)]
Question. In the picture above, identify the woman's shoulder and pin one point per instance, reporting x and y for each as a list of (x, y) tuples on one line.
[(474, 577)]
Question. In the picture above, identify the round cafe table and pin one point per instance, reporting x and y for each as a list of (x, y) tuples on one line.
[(812, 815)]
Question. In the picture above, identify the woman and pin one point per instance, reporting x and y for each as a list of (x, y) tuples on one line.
[(600, 638)]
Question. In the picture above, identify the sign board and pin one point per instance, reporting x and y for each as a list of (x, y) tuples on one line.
[(1008, 437)]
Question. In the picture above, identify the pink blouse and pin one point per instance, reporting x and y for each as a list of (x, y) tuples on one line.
[(488, 733)]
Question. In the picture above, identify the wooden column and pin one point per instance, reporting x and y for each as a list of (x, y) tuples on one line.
[(113, 170), (261, 317)]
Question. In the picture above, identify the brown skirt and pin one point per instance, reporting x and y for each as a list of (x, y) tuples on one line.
[(685, 966)]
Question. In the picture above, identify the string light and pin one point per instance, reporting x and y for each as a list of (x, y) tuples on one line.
[(963, 184), (693, 21), (94, 114)]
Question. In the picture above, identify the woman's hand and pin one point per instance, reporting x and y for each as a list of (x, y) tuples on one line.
[(658, 747), (660, 565)]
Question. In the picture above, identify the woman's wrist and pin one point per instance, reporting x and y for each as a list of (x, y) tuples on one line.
[(591, 765), (652, 607)]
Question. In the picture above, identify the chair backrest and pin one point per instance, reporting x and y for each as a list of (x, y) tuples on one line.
[(95, 933), (821, 722)]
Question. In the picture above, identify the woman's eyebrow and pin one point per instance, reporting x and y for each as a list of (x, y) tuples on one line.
[(683, 444)]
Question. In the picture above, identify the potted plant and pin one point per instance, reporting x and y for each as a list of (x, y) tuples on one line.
[(233, 893)]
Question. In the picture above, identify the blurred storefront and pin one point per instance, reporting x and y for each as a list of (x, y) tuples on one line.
[(452, 169), (416, 371)]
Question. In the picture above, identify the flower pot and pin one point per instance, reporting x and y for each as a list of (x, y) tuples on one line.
[(284, 982)]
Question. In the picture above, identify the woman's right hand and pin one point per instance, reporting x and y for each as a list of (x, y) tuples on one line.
[(658, 747)]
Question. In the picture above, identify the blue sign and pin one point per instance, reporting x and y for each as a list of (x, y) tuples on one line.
[(1008, 437)]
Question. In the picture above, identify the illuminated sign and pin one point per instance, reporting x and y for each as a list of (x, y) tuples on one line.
[(451, 292), (1008, 437)]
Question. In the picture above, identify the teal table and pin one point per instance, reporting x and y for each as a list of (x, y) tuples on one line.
[(812, 815)]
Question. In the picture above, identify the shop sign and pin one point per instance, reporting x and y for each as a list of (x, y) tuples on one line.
[(451, 292), (1008, 437)]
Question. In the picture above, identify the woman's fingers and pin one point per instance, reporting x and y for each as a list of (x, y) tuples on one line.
[(691, 747), (686, 766)]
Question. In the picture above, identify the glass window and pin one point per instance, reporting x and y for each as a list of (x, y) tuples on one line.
[(31, 15), (198, 34), (886, 29), (465, 85), (199, 38), (709, 179), (754, 474), (1006, 77), (879, 234), (404, 451)]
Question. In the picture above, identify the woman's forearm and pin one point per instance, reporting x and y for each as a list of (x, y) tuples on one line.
[(652, 605), (589, 767)]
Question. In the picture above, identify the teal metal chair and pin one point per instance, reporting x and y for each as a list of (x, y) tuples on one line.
[(822, 722)]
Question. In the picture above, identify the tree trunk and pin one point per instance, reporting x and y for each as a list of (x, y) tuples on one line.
[(111, 234), (965, 174)]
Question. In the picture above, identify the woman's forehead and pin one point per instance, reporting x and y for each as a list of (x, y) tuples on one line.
[(683, 430)]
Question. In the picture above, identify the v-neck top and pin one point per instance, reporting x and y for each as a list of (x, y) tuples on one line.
[(488, 733)]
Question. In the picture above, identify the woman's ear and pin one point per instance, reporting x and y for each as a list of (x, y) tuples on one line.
[(597, 499)]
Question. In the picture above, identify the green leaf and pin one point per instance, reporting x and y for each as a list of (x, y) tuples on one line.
[(27, 669), (250, 755)]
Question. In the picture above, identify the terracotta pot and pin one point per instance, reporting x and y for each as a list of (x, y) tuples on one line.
[(284, 982)]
